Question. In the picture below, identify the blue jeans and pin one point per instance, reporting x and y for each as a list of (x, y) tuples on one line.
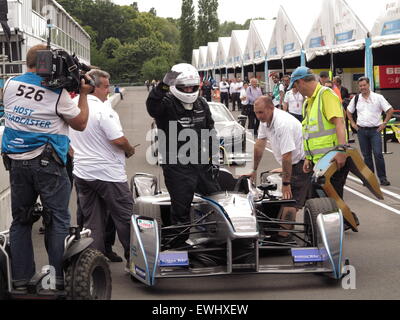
[(29, 180), (371, 143)]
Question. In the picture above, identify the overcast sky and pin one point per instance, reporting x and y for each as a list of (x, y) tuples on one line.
[(301, 12)]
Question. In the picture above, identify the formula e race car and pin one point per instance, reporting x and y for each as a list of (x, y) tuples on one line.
[(87, 274), (233, 231)]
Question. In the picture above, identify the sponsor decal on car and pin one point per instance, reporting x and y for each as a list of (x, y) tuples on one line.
[(140, 272), (174, 259), (145, 224), (308, 255)]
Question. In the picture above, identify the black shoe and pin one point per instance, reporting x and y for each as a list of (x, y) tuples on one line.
[(385, 183), (113, 257)]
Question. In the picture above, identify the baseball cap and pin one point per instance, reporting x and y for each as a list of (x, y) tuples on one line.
[(299, 73)]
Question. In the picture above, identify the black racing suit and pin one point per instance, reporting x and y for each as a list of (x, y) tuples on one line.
[(183, 179)]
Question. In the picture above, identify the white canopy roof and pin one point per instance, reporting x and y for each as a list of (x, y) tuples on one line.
[(236, 48), (211, 55), (258, 40), (337, 29), (202, 58), (222, 51), (195, 58), (285, 41), (386, 30)]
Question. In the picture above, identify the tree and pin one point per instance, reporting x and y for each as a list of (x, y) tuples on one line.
[(187, 25), (226, 28), (109, 46), (155, 68), (208, 22)]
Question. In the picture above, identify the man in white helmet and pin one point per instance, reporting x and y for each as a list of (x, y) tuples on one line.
[(187, 141)]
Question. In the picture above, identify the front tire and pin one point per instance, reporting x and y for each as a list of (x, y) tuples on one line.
[(312, 209), (88, 277)]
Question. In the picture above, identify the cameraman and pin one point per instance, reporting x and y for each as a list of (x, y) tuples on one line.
[(34, 148)]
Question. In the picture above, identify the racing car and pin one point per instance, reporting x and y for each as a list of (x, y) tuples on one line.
[(232, 231)]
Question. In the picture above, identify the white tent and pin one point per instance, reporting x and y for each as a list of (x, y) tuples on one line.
[(259, 37), (285, 42), (386, 30), (337, 29), (236, 48), (222, 51), (203, 50), (195, 58), (211, 55)]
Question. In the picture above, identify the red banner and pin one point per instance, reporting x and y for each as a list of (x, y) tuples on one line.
[(389, 77)]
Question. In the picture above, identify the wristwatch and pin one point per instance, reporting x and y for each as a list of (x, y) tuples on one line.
[(342, 148), (286, 184)]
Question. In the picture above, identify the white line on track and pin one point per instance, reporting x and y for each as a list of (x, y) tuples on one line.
[(363, 196)]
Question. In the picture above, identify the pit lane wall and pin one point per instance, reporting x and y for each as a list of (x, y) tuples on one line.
[(5, 194)]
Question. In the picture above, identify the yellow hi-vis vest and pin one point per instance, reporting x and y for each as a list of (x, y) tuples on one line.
[(319, 135)]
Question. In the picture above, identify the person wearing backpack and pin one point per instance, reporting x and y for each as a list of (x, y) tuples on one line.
[(369, 106)]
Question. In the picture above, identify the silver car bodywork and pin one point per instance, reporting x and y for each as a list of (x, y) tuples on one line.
[(223, 218)]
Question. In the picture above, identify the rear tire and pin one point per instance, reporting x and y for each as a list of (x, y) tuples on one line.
[(88, 277), (312, 209)]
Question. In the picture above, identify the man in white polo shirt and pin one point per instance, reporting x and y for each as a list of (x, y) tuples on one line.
[(99, 168), (284, 132), (369, 106), (293, 103), (224, 92)]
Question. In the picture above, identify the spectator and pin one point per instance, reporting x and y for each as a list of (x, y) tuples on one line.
[(243, 99), (118, 90), (253, 93), (286, 82), (224, 92), (293, 103), (369, 106), (206, 91), (278, 92), (99, 168)]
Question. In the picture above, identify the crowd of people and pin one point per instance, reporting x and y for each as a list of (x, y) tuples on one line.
[(303, 118)]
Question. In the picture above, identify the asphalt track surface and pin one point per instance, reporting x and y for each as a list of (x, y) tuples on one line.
[(374, 251)]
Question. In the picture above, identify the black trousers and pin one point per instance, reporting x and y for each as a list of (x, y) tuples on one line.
[(182, 181), (225, 99), (99, 201), (254, 123), (236, 100)]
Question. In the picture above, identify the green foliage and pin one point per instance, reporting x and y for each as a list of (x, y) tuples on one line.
[(124, 39), (188, 29), (155, 68), (208, 23), (108, 47), (226, 28)]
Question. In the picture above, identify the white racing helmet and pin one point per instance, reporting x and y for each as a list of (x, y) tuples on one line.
[(189, 77)]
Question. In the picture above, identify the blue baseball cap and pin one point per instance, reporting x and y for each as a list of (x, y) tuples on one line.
[(299, 73)]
